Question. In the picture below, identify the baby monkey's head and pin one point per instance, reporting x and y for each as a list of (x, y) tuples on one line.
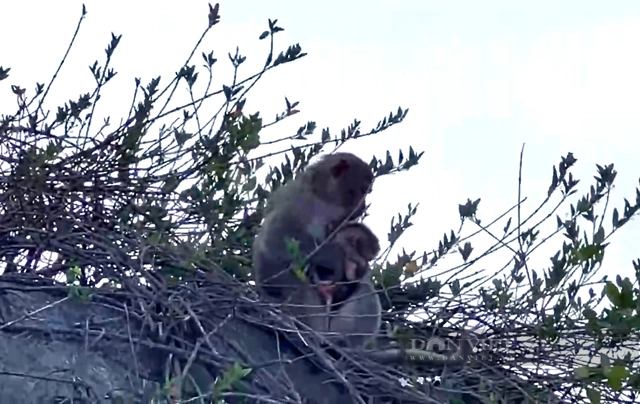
[(360, 246)]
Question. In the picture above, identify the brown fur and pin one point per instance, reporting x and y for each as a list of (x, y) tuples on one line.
[(359, 246), (306, 209)]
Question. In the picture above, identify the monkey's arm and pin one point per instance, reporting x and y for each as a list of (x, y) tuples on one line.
[(272, 259)]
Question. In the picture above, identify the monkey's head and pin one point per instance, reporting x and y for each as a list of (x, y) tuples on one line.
[(361, 238), (361, 246), (342, 178)]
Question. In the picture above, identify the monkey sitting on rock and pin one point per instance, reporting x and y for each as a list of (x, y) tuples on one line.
[(307, 209)]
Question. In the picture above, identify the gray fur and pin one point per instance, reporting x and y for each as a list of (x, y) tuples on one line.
[(305, 209), (358, 320)]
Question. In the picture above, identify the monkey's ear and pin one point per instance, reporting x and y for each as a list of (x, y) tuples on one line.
[(339, 168)]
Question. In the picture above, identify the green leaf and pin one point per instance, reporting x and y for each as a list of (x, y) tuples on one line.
[(612, 293), (593, 395), (250, 184), (300, 273), (455, 288), (616, 375), (170, 184), (293, 247), (582, 372), (181, 137), (73, 274)]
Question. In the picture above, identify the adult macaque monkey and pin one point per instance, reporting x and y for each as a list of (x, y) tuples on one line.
[(306, 210)]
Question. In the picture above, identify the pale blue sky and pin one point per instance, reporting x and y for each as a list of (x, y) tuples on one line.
[(479, 78)]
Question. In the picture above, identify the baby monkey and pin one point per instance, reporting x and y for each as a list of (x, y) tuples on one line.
[(337, 278), (342, 284), (305, 209), (360, 246)]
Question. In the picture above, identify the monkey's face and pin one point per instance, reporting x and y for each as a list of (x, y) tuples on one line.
[(342, 179), (360, 240), (351, 182)]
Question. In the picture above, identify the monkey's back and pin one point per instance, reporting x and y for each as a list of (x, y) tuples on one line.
[(293, 212), (272, 259)]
